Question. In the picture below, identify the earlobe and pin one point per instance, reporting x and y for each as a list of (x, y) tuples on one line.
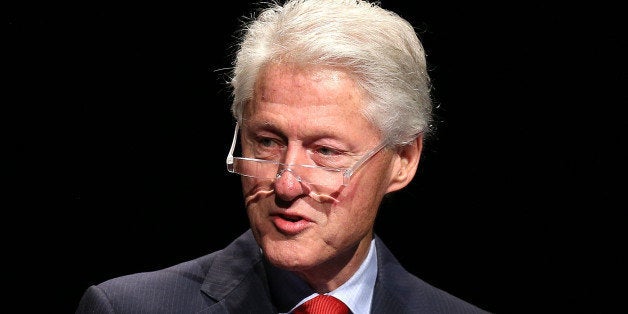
[(406, 165)]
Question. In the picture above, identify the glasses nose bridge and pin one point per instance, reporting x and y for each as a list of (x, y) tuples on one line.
[(287, 168)]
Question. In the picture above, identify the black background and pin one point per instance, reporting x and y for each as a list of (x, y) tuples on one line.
[(118, 125)]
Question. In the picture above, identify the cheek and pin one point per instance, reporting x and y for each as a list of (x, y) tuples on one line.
[(255, 190), (366, 190), (360, 200), (371, 182), (247, 185)]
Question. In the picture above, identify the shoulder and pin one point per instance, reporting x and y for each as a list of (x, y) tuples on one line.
[(187, 274), (152, 291), (398, 289), (185, 287)]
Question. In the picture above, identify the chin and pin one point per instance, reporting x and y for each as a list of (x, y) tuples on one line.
[(288, 255)]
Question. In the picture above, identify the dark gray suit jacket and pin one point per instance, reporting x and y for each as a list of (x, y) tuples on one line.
[(233, 280)]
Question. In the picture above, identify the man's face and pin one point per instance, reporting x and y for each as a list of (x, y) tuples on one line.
[(306, 116)]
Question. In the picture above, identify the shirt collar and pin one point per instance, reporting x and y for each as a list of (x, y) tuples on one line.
[(290, 291), (357, 292)]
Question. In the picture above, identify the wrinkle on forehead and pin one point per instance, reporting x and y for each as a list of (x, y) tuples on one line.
[(319, 85), (311, 100)]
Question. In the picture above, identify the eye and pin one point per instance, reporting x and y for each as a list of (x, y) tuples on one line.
[(327, 151), (265, 147), (330, 157), (266, 142)]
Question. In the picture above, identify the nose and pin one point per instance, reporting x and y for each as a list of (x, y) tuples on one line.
[(288, 185)]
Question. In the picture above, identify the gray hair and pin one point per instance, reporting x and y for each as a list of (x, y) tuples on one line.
[(379, 49)]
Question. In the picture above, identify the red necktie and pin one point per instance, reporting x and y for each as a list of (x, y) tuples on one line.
[(322, 304)]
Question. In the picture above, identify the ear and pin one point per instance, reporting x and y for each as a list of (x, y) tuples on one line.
[(405, 165)]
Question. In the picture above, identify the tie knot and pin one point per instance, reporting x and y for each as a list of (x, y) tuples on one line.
[(322, 304)]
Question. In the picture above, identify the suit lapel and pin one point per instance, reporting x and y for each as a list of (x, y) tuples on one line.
[(236, 279), (386, 292)]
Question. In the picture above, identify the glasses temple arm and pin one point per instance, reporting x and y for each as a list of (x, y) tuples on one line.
[(349, 172), (233, 143)]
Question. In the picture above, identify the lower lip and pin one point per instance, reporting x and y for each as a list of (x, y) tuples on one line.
[(290, 227)]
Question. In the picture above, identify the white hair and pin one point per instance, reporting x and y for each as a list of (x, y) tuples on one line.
[(379, 49)]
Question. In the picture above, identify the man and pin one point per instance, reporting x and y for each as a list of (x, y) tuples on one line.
[(332, 105)]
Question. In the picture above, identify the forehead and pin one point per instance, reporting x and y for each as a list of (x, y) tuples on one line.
[(306, 98), (292, 85)]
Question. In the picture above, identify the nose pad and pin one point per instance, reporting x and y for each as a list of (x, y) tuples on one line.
[(289, 187), (284, 170)]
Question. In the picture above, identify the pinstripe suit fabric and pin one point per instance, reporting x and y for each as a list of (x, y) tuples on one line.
[(233, 280)]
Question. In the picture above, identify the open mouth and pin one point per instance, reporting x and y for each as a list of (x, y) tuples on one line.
[(291, 218)]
